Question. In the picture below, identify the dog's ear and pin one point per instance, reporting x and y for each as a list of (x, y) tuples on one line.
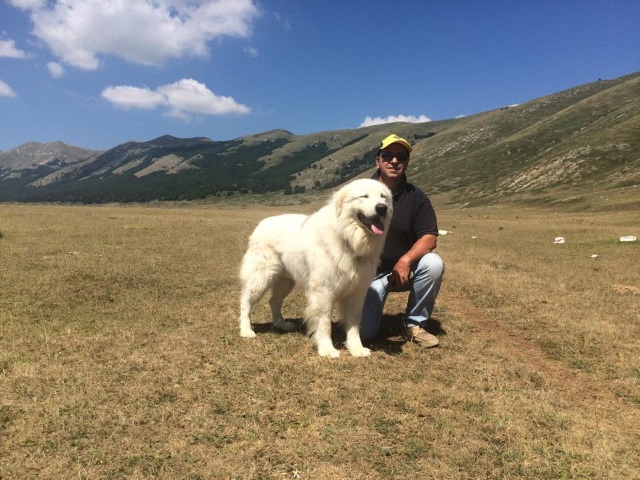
[(338, 200)]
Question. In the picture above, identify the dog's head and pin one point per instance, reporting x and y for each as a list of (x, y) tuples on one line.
[(367, 204)]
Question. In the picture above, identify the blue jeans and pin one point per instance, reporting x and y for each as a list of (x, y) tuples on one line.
[(423, 290)]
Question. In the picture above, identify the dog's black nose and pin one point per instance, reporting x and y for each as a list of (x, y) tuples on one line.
[(381, 209)]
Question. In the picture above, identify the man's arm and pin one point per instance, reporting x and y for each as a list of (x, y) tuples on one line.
[(400, 273)]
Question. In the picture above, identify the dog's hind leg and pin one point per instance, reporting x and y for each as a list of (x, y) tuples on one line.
[(280, 288), (251, 294), (256, 278), (351, 315)]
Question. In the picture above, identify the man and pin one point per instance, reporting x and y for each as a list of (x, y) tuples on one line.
[(407, 262)]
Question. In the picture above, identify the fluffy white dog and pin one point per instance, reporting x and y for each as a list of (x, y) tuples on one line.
[(333, 254)]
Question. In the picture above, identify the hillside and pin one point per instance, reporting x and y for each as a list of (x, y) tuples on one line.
[(568, 147)]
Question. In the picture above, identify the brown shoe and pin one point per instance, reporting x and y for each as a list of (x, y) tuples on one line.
[(421, 337)]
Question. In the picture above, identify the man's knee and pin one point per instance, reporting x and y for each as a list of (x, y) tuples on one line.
[(431, 263)]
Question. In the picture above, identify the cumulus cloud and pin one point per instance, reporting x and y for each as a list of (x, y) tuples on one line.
[(126, 96), (8, 49), (148, 32), (369, 121), (56, 70), (183, 99), (6, 90)]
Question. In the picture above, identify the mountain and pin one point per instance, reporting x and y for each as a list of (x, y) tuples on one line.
[(41, 157), (568, 147)]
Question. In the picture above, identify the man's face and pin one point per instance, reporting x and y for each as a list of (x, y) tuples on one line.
[(393, 161)]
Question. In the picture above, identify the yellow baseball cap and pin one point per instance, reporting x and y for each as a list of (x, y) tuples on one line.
[(393, 138)]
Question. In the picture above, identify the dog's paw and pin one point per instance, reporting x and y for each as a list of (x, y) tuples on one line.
[(328, 351), (247, 333), (360, 352), (285, 326)]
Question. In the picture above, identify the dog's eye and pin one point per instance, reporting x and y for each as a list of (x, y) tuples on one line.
[(364, 196)]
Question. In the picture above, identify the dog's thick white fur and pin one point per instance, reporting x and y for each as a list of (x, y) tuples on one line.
[(333, 254)]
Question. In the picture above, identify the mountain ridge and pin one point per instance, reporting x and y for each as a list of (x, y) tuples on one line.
[(581, 139)]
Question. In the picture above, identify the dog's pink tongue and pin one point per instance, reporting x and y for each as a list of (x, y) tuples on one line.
[(376, 230)]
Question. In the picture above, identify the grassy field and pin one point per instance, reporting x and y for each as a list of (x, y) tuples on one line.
[(120, 355)]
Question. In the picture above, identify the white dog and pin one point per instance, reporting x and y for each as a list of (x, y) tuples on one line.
[(333, 254)]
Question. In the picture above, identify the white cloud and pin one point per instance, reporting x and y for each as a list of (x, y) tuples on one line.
[(253, 52), (27, 4), (56, 70), (148, 32), (8, 49), (369, 121), (285, 24), (126, 96), (6, 90), (190, 96), (183, 99)]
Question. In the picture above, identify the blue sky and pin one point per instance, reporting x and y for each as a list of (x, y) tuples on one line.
[(98, 73)]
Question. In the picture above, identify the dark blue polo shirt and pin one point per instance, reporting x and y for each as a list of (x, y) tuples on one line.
[(413, 217)]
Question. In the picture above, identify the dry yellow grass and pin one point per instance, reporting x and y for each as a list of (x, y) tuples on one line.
[(120, 355)]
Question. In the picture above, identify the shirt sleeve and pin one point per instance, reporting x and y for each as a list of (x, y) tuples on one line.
[(425, 221)]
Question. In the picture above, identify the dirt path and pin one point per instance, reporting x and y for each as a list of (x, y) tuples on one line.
[(573, 385)]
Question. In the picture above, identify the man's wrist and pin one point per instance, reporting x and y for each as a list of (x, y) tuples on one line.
[(404, 261)]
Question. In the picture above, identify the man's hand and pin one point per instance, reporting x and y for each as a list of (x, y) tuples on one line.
[(400, 273), (401, 270)]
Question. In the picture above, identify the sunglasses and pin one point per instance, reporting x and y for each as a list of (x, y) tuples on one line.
[(400, 156)]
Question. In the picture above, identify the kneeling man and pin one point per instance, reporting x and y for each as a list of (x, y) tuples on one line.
[(408, 261)]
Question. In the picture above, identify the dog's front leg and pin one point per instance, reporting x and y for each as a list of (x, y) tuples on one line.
[(351, 315), (318, 318)]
